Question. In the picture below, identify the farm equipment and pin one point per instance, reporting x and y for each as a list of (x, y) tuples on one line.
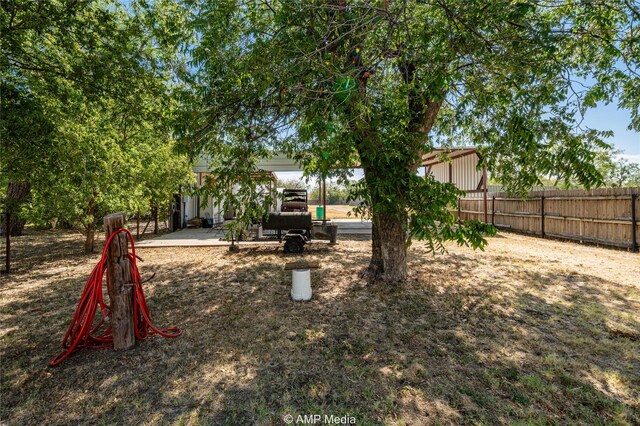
[(294, 200), (296, 229)]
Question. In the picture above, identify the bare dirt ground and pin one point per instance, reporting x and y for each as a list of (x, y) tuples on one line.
[(530, 331)]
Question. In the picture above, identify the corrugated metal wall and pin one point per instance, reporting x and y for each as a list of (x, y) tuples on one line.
[(464, 172), (440, 172)]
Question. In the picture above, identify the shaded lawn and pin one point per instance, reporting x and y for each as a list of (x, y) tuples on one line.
[(530, 331)]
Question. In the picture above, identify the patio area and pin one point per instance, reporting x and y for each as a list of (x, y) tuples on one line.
[(209, 237), (194, 237)]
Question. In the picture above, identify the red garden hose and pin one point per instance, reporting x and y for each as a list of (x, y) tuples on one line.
[(82, 333)]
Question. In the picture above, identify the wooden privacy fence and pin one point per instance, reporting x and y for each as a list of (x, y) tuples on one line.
[(606, 216)]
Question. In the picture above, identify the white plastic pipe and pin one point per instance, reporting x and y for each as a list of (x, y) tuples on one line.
[(301, 284)]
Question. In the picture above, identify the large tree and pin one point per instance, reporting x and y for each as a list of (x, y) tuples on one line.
[(380, 83), (87, 128)]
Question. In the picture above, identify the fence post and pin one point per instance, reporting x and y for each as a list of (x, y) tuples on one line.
[(459, 214), (119, 284), (634, 224), (484, 188), (493, 210), (542, 215)]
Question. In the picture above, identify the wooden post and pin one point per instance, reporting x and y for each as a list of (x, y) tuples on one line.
[(274, 191), (119, 285), (484, 188), (324, 199), (542, 216), (493, 210), (459, 213), (634, 226)]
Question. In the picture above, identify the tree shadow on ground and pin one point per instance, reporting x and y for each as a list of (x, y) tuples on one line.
[(455, 345)]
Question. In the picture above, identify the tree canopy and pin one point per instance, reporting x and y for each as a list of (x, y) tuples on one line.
[(380, 83), (88, 97), (104, 103)]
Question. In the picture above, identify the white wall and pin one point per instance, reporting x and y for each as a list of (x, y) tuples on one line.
[(191, 208), (463, 172), (276, 163)]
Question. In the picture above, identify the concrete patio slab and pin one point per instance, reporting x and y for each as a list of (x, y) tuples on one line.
[(190, 237), (205, 237), (353, 226)]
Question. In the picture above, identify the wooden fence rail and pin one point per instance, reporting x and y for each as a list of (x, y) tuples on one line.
[(603, 216)]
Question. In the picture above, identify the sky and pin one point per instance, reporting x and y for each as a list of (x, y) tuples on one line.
[(609, 117)]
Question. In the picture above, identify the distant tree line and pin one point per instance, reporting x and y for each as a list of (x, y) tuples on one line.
[(615, 171), (337, 192)]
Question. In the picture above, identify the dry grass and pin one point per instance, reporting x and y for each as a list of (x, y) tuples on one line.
[(528, 332), (335, 211)]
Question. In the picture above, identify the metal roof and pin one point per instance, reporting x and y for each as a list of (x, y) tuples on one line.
[(281, 163), (435, 156)]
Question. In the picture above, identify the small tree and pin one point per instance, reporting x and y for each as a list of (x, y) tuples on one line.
[(615, 170), (623, 173)]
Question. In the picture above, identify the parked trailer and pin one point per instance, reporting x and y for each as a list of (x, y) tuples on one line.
[(296, 229)]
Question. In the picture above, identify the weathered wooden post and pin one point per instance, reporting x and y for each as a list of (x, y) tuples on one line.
[(493, 210), (324, 199), (542, 216), (484, 188), (119, 284), (634, 225)]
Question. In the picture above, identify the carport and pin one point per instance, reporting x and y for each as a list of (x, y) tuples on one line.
[(463, 166)]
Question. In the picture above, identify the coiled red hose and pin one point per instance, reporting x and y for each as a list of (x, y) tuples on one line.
[(82, 333)]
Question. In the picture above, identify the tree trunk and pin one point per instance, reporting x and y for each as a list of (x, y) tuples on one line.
[(389, 237), (90, 227), (7, 253), (17, 192), (88, 242), (155, 219), (388, 250), (375, 265), (17, 225)]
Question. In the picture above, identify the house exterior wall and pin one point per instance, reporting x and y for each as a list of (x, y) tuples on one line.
[(190, 204)]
